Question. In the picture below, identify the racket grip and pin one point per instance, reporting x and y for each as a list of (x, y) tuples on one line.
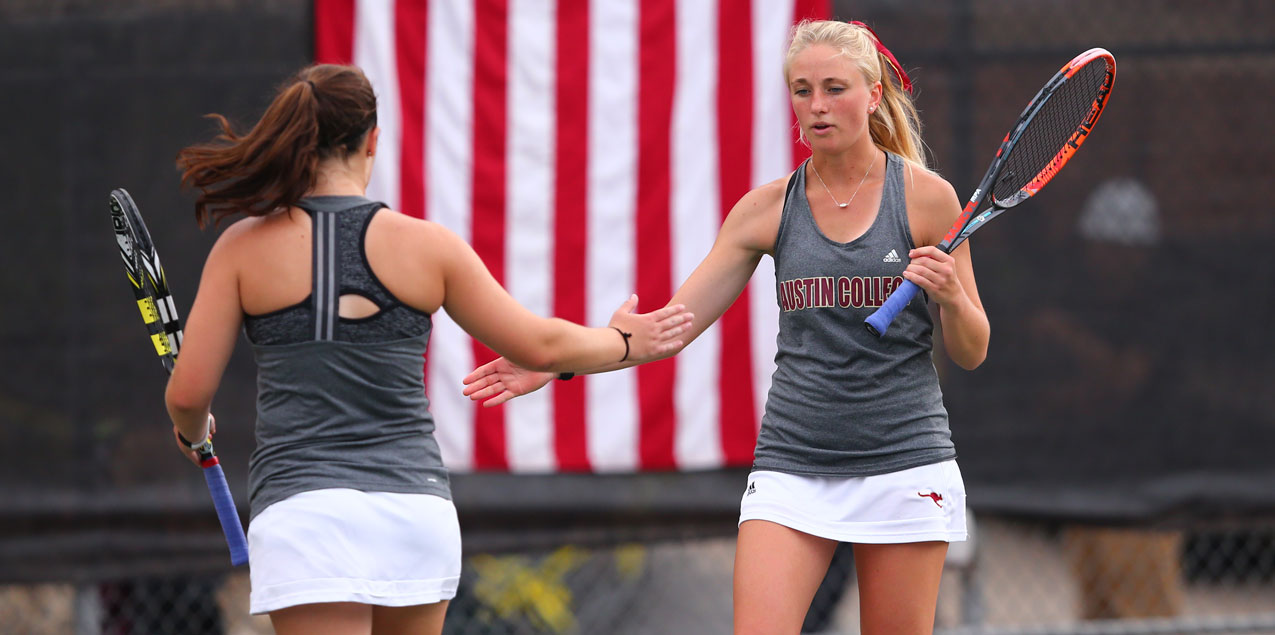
[(880, 320), (227, 514)]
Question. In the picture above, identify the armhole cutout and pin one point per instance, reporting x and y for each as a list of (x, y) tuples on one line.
[(783, 211)]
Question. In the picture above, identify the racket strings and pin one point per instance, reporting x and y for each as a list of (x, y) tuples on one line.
[(1049, 131)]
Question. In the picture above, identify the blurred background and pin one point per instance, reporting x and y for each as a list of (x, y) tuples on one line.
[(1116, 445)]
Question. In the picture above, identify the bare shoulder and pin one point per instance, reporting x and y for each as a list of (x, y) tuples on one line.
[(242, 227), (404, 227), (237, 234), (753, 223), (929, 191), (422, 242), (932, 204), (763, 198)]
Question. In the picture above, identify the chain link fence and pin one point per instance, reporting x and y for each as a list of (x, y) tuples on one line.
[(1016, 576)]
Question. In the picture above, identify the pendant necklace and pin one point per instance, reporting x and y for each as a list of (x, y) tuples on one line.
[(856, 190)]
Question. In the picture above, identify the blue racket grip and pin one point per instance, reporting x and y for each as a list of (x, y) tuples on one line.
[(227, 514), (880, 320)]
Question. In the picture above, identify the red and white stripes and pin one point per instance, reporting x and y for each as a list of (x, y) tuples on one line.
[(587, 150)]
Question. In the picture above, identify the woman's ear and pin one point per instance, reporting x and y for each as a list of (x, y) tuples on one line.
[(371, 141)]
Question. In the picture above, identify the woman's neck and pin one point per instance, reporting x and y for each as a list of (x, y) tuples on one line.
[(338, 181), (848, 164)]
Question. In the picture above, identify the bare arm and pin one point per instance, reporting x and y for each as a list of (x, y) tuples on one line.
[(747, 234), (486, 311), (948, 278), (209, 339)]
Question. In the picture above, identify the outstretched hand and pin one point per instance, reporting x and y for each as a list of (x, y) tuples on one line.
[(651, 335), (500, 380)]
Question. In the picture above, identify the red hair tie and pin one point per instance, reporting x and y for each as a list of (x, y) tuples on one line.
[(904, 80)]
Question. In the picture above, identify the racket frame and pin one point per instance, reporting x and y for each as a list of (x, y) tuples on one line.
[(967, 222)]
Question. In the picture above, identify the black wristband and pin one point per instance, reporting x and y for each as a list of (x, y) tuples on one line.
[(626, 337), (565, 376)]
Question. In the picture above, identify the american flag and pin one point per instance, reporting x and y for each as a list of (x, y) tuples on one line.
[(587, 149)]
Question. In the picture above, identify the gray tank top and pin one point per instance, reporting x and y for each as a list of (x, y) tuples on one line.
[(842, 401), (341, 402)]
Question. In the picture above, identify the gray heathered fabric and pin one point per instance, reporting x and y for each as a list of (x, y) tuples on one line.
[(335, 413), (842, 401)]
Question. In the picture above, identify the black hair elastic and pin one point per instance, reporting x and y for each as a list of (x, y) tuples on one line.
[(626, 337)]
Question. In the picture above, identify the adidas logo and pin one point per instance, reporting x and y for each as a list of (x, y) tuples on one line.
[(752, 489), (893, 256)]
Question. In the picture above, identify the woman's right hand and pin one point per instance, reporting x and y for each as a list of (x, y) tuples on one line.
[(190, 454), (500, 380), (650, 336)]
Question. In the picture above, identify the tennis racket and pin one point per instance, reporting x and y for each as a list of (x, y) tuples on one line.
[(150, 288), (1048, 133)]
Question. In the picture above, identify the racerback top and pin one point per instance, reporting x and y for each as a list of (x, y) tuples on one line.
[(843, 401), (341, 402)]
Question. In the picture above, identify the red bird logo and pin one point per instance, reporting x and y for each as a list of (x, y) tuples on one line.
[(934, 496)]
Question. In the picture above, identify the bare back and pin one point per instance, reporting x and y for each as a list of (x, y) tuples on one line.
[(273, 255)]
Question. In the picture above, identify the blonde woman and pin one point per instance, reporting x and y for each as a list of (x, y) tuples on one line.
[(854, 444)]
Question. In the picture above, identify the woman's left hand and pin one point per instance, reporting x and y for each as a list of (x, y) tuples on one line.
[(935, 271)]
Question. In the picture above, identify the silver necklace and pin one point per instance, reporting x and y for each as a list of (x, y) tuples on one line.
[(856, 190)]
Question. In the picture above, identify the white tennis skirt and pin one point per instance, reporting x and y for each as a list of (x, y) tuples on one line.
[(345, 545), (914, 505)]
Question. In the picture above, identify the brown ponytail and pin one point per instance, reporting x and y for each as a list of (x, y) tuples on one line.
[(323, 111)]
